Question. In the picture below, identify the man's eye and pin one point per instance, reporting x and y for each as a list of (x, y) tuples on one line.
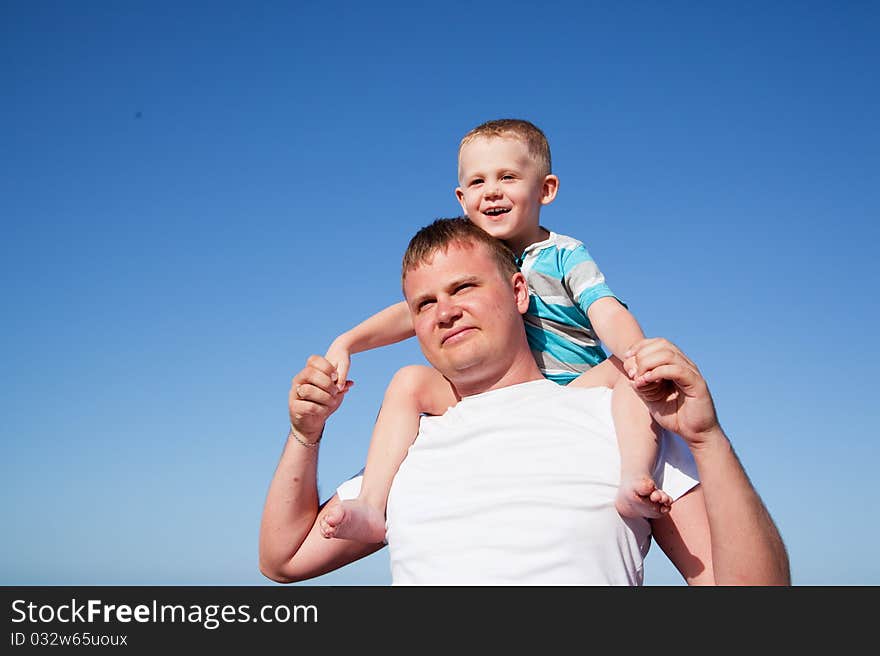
[(424, 305), (463, 287)]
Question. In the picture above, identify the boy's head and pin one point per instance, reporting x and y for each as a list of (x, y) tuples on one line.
[(504, 179), (519, 130)]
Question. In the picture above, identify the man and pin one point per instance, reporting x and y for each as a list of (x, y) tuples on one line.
[(516, 483)]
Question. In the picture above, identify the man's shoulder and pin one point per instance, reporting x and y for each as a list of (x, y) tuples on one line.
[(588, 397), (572, 400)]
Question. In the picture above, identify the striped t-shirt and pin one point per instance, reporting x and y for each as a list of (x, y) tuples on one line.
[(563, 282)]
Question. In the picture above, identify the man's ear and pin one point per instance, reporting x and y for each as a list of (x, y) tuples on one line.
[(520, 292), (459, 195), (549, 189)]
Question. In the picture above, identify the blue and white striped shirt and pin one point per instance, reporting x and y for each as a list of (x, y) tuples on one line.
[(563, 282)]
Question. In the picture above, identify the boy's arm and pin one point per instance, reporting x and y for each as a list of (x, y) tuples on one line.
[(585, 284), (618, 329), (614, 325), (389, 326)]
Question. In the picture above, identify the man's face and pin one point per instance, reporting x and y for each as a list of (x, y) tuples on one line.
[(467, 315), (502, 190)]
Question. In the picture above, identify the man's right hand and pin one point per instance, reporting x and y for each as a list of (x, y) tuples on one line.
[(684, 406), (313, 397)]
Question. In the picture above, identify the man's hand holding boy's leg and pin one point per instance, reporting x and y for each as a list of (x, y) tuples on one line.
[(685, 406)]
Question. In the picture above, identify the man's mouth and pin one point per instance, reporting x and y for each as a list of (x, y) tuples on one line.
[(496, 211), (454, 334)]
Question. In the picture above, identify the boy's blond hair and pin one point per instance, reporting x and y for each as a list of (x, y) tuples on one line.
[(515, 128), (442, 233)]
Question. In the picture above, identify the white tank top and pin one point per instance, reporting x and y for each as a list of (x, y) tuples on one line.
[(516, 487)]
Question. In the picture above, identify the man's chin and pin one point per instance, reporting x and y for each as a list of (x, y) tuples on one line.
[(456, 367)]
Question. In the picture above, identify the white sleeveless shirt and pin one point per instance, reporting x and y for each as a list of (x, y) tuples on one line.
[(516, 486)]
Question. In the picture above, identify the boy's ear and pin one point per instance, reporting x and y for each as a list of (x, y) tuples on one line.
[(549, 189), (459, 194)]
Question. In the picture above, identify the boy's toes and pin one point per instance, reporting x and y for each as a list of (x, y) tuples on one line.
[(660, 498), (644, 487), (331, 519)]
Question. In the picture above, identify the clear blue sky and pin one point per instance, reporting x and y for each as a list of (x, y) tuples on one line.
[(196, 196)]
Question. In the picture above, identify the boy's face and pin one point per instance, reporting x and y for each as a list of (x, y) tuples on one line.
[(502, 189)]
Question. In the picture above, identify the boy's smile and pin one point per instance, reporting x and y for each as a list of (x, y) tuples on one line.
[(502, 189)]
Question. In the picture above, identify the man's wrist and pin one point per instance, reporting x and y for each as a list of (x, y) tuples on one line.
[(306, 439), (708, 440)]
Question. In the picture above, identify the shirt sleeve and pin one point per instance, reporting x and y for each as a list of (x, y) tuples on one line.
[(351, 488), (676, 471), (582, 278)]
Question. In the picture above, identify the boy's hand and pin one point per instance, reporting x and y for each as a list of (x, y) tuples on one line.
[(339, 356), (652, 391)]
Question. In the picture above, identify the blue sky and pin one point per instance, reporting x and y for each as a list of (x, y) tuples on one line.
[(196, 196)]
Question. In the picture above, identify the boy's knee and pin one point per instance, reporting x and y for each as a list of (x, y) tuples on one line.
[(420, 387), (605, 374), (614, 366), (412, 378)]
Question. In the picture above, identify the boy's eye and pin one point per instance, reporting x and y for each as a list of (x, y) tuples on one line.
[(507, 177), (476, 181)]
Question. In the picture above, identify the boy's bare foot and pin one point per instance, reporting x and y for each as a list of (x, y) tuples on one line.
[(353, 519), (640, 497)]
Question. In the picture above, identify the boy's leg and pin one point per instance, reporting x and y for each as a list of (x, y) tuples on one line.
[(413, 390), (638, 441), (604, 374)]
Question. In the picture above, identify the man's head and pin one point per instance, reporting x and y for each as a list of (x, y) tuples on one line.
[(466, 297), (504, 178), (442, 233)]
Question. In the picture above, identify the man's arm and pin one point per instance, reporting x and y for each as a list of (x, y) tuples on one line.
[(721, 533), (291, 546), (389, 326)]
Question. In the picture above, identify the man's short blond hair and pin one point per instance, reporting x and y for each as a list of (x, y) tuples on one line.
[(515, 128), (442, 233)]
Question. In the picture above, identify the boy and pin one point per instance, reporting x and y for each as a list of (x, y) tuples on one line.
[(504, 180)]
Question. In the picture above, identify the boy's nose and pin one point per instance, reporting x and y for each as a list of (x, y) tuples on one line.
[(491, 190)]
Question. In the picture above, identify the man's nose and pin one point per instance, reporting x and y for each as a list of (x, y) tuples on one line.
[(447, 310)]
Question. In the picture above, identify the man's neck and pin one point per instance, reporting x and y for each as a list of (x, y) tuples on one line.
[(522, 370)]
